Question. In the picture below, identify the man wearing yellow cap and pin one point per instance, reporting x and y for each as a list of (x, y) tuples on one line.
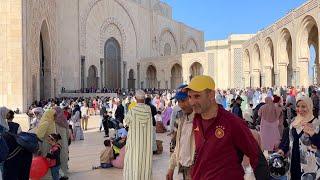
[(221, 138)]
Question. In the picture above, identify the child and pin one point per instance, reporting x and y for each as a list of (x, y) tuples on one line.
[(106, 156), (54, 155)]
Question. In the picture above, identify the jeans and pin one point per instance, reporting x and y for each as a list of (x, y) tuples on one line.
[(106, 165), (279, 178), (55, 173)]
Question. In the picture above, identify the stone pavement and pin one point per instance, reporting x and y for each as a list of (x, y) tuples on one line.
[(85, 154)]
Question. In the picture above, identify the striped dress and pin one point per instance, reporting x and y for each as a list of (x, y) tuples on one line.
[(138, 157)]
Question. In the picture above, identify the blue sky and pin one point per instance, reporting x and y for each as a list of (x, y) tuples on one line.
[(220, 18)]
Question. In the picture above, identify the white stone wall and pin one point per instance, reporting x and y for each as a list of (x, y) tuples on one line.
[(11, 58), (68, 52)]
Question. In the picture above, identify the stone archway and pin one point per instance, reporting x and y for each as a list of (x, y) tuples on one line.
[(45, 69), (176, 76), (269, 63), (131, 80), (112, 64), (308, 37), (151, 77), (285, 63), (195, 70), (92, 80), (256, 67)]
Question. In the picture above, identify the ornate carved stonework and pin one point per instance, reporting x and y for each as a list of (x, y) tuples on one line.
[(112, 28), (167, 37), (84, 16), (38, 12), (191, 45)]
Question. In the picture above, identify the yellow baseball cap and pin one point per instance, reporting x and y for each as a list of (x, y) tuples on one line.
[(201, 83)]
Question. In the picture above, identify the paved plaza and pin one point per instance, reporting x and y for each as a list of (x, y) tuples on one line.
[(85, 154)]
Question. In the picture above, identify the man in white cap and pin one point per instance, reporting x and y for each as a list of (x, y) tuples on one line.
[(138, 158)]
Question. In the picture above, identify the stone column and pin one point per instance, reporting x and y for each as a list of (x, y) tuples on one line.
[(256, 78), (246, 77), (303, 66), (267, 76), (124, 78), (283, 79), (101, 73), (138, 76)]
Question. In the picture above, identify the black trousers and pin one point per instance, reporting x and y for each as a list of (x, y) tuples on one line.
[(105, 127)]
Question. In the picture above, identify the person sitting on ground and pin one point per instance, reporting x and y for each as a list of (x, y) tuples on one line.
[(121, 132), (106, 156)]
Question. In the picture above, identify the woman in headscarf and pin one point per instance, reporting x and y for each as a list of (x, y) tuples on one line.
[(46, 127), (270, 114), (302, 142), (3, 128), (76, 121), (3, 121), (37, 114), (62, 128)]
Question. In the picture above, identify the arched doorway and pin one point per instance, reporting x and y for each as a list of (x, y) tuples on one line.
[(45, 63), (92, 80), (112, 64), (131, 80), (151, 77), (285, 63), (195, 70), (176, 76)]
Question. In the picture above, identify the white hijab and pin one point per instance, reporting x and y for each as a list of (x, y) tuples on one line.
[(3, 114), (299, 120)]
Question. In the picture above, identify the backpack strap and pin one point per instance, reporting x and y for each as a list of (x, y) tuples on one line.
[(14, 153)]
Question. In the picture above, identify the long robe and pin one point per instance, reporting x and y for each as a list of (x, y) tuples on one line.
[(138, 157)]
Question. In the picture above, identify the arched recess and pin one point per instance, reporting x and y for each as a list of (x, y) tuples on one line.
[(167, 37), (285, 63), (167, 49), (246, 69), (256, 66), (151, 77), (45, 62), (268, 63), (101, 5), (176, 75), (112, 64), (92, 79), (191, 46), (131, 80), (308, 39), (196, 69)]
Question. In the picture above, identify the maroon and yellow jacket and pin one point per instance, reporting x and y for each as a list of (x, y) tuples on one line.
[(220, 150)]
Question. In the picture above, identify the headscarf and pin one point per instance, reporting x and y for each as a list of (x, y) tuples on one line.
[(60, 118), (300, 120), (38, 112), (46, 125), (76, 108), (269, 112), (3, 114)]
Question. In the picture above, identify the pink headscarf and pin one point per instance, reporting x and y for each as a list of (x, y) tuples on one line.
[(269, 112), (61, 120)]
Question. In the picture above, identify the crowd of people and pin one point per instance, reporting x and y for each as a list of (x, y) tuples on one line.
[(214, 133)]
